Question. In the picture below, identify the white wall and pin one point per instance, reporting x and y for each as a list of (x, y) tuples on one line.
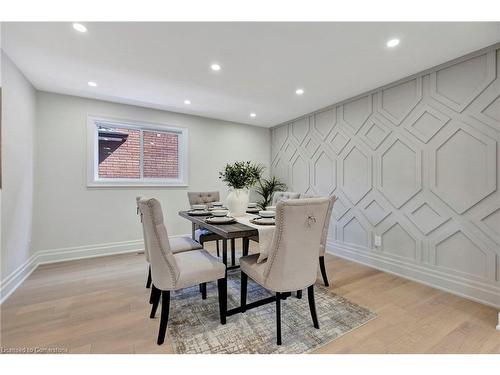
[(416, 163), (18, 133), (67, 214)]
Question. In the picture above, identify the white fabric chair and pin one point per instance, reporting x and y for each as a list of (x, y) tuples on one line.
[(172, 271), (293, 257), (178, 244), (322, 248), (283, 196)]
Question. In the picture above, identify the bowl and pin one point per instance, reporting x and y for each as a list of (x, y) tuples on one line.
[(216, 204), (252, 205), (199, 206), (271, 208), (219, 213), (267, 213)]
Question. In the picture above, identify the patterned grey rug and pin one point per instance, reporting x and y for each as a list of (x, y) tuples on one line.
[(194, 324)]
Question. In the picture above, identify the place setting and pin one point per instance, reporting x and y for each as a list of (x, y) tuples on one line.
[(252, 208), (220, 216), (199, 210), (266, 217)]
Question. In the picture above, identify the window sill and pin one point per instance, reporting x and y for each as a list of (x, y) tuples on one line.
[(97, 185)]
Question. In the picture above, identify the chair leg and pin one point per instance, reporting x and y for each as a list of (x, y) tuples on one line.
[(165, 307), (312, 306), (148, 283), (323, 270), (278, 318), (222, 286), (217, 244), (203, 287), (299, 294), (243, 296), (155, 300)]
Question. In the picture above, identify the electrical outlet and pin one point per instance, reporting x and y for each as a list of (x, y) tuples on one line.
[(378, 241)]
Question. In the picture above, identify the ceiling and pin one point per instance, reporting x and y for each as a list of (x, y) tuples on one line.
[(159, 65)]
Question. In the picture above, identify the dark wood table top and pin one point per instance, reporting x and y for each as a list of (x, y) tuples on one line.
[(235, 230)]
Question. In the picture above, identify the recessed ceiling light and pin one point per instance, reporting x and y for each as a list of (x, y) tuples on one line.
[(299, 91), (253, 114), (392, 43), (92, 84), (187, 101), (79, 27), (215, 67)]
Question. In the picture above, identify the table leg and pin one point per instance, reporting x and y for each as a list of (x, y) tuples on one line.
[(224, 252), (233, 252), (193, 228), (246, 244)]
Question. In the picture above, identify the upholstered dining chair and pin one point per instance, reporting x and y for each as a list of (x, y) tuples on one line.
[(178, 244), (292, 261), (203, 235), (324, 237), (171, 271), (283, 196)]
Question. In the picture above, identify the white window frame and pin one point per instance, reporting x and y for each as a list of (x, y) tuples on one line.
[(93, 179)]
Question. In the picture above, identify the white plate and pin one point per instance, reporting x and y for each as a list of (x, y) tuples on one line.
[(271, 208), (267, 213), (264, 221), (252, 205), (220, 220), (199, 206)]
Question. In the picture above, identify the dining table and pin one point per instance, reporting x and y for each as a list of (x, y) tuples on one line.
[(228, 232)]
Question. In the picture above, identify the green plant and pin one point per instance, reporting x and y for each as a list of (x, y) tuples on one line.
[(266, 189), (241, 174)]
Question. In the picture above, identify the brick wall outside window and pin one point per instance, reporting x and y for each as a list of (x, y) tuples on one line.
[(161, 157), (122, 159)]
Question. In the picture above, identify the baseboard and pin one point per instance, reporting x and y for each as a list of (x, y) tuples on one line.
[(9, 284), (17, 277), (475, 291)]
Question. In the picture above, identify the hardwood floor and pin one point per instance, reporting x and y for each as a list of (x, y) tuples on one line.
[(100, 306)]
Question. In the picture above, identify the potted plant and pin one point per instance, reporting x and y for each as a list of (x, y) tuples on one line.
[(240, 176), (266, 189)]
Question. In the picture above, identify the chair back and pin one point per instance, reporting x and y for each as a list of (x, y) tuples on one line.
[(283, 196), (164, 270), (324, 235), (293, 256), (207, 197), (138, 210)]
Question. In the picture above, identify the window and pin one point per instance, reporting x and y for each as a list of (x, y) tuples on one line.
[(132, 154)]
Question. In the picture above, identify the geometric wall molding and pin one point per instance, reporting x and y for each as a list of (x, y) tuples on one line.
[(457, 85), (462, 166), (374, 132), (416, 162), (425, 122), (373, 207), (338, 140), (396, 102), (426, 214), (355, 113), (341, 206), (355, 173), (460, 252), (300, 174), (300, 128), (355, 232), (486, 108), (324, 122), (325, 173), (398, 242), (488, 220), (400, 173)]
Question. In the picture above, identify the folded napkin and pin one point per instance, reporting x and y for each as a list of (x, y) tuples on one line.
[(266, 233)]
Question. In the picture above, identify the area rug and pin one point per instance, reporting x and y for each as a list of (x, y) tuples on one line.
[(194, 324)]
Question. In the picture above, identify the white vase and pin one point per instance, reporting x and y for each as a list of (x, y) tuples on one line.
[(237, 202)]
